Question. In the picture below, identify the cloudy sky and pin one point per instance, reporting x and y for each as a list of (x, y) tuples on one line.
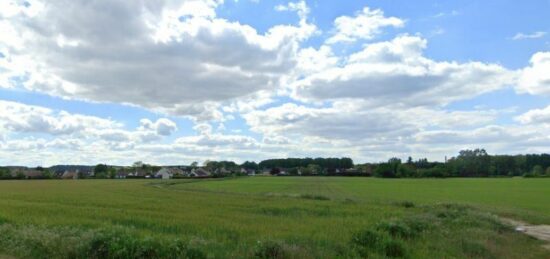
[(176, 81)]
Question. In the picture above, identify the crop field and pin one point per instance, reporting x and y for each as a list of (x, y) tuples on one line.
[(272, 217)]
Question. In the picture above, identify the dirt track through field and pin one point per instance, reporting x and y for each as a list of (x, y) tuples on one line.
[(541, 232)]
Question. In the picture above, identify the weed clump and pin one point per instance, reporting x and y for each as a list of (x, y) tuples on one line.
[(474, 249), (37, 242), (314, 197), (372, 241), (270, 250), (406, 204)]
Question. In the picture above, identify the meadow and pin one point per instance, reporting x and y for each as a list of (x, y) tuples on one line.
[(272, 217)]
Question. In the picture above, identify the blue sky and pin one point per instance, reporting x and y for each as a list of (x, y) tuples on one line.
[(196, 80)]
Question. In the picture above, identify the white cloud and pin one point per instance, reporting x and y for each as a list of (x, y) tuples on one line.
[(144, 54), (163, 126), (535, 35), (535, 116), (29, 119), (397, 73), (365, 25), (447, 14), (535, 79), (299, 7), (35, 119)]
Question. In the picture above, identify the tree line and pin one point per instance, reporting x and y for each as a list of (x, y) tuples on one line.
[(324, 163), (468, 163)]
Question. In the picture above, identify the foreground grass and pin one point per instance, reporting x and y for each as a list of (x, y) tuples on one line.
[(271, 217)]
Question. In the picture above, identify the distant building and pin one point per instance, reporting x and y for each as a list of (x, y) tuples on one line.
[(249, 172), (28, 173), (199, 172), (70, 175)]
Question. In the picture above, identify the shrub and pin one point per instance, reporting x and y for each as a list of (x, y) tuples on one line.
[(270, 250), (369, 241), (37, 242), (394, 248), (367, 238), (396, 229)]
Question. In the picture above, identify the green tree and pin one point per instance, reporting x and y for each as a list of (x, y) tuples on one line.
[(47, 174), (538, 170), (5, 173), (101, 171), (314, 169), (405, 170), (112, 173)]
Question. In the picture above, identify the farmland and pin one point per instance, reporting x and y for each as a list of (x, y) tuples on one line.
[(281, 217)]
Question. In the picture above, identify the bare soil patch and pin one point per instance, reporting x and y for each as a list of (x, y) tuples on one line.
[(541, 232)]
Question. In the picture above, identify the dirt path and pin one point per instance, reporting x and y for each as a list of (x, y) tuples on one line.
[(541, 232)]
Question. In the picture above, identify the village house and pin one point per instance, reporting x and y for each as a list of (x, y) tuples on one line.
[(168, 172), (28, 173), (249, 172), (70, 175), (199, 172)]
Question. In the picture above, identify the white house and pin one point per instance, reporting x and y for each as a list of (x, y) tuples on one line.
[(164, 173)]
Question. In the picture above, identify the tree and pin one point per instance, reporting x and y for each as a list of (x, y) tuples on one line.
[(112, 173), (385, 170), (314, 169), (47, 174), (471, 163), (275, 171), (405, 170), (195, 164), (537, 170), (101, 171), (5, 173), (250, 165)]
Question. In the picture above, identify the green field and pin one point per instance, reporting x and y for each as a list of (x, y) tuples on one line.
[(281, 217)]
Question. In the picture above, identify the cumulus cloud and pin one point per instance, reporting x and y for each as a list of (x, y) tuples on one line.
[(35, 119), (22, 118), (535, 79), (175, 57), (535, 116), (365, 25), (163, 126), (299, 7), (396, 72)]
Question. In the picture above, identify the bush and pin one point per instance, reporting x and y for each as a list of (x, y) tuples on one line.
[(36, 242), (394, 248), (396, 229), (367, 238), (270, 250), (368, 241)]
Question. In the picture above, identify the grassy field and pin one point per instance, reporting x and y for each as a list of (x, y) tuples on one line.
[(272, 217)]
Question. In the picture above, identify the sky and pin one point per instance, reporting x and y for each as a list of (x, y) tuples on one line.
[(177, 81)]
